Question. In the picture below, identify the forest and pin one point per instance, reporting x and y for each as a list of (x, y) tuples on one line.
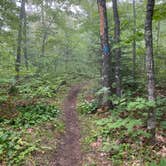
[(82, 83)]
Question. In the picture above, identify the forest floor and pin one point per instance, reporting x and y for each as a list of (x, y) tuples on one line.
[(69, 148), (75, 135)]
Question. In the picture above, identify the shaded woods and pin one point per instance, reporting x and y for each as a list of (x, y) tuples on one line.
[(111, 55)]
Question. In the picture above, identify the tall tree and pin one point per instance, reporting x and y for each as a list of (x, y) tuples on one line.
[(134, 40), (106, 56), (19, 40), (117, 49), (151, 123)]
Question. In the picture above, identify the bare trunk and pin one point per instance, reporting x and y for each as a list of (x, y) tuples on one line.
[(151, 123), (19, 40), (117, 49), (134, 41), (106, 56)]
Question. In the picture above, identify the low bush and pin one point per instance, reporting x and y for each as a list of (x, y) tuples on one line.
[(14, 147), (87, 107)]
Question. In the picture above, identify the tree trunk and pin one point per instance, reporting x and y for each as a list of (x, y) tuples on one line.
[(117, 49), (25, 38), (151, 123), (19, 39), (134, 41), (106, 56)]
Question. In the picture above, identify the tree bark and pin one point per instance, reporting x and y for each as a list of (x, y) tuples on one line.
[(19, 40), (134, 41), (117, 49), (106, 56), (151, 123)]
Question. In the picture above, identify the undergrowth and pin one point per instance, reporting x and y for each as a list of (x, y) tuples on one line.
[(14, 145), (123, 130)]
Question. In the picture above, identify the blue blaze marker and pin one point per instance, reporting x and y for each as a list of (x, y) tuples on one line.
[(106, 49)]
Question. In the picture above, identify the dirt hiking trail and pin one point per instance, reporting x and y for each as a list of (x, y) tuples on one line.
[(69, 148)]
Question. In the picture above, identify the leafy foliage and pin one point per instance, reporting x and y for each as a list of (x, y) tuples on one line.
[(14, 147), (109, 126), (161, 163), (87, 107), (123, 129), (140, 104), (34, 114), (69, 33)]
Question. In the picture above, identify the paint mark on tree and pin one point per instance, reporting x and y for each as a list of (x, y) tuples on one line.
[(106, 49)]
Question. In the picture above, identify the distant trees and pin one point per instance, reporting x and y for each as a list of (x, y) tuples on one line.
[(44, 29), (25, 37), (134, 40), (21, 39), (151, 124)]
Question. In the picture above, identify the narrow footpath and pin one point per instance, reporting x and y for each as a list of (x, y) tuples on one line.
[(69, 148)]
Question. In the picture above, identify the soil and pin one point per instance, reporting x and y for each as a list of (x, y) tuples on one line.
[(69, 148)]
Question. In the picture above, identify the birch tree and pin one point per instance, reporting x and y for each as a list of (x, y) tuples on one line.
[(151, 123)]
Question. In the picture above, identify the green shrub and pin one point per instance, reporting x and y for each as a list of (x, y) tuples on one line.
[(140, 104), (34, 114), (161, 163), (87, 107), (122, 127), (160, 107), (13, 148), (13, 144), (3, 98)]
